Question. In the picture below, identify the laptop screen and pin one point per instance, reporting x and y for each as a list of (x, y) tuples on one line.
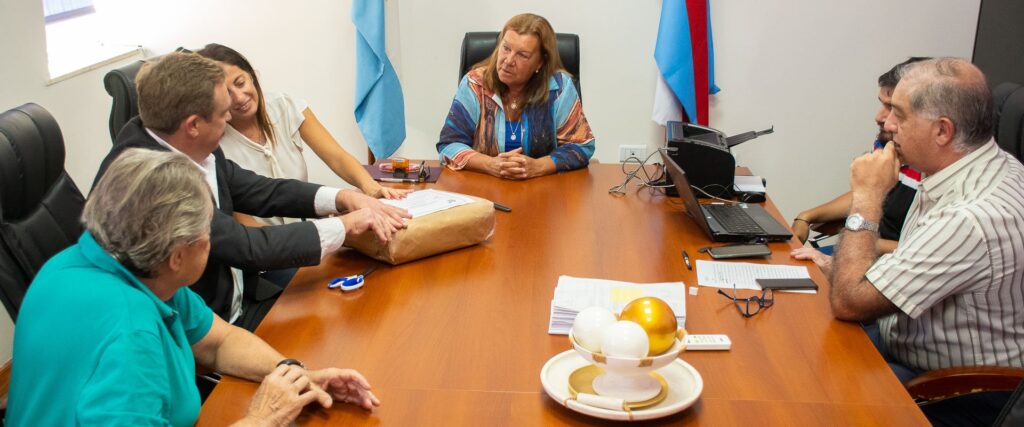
[(686, 193)]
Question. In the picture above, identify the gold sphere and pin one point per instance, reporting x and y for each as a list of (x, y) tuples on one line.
[(657, 319)]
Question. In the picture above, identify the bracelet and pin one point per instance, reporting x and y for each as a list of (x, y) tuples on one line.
[(801, 219), (292, 362)]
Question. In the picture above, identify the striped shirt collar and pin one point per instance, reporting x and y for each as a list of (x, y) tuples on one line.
[(934, 186)]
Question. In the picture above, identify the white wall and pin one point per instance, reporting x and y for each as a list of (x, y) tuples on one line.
[(806, 66), (77, 104), (811, 69)]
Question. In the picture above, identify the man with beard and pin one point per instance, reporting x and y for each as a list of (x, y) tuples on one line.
[(896, 202)]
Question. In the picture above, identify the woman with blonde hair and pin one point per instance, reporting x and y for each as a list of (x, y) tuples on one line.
[(517, 115)]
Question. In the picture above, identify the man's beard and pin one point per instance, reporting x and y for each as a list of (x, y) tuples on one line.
[(883, 135)]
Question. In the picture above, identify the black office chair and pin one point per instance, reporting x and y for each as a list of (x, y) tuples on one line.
[(13, 281), (1009, 130), (120, 84), (1009, 123), (477, 46), (1013, 413), (40, 205)]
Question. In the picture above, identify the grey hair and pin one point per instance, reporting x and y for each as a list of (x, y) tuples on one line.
[(956, 89), (145, 205)]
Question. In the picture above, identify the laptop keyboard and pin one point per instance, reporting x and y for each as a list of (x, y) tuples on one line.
[(733, 219)]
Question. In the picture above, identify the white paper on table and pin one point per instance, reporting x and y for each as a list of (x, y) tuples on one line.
[(426, 202), (719, 274), (749, 184), (573, 294)]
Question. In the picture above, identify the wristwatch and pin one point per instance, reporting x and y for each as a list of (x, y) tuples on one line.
[(293, 362), (856, 222)]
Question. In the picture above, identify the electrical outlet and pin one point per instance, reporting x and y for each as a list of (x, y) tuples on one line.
[(627, 151)]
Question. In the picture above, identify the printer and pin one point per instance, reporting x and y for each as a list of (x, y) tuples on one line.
[(704, 154)]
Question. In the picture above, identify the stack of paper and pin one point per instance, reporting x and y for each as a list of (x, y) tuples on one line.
[(572, 295)]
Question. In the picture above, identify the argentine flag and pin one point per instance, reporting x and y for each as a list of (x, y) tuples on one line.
[(685, 58), (379, 104)]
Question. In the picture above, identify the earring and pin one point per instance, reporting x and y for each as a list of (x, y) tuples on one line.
[(536, 71)]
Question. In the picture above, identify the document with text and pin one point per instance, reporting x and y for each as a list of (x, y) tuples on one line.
[(720, 274)]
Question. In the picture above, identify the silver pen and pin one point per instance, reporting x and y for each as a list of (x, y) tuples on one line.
[(403, 180)]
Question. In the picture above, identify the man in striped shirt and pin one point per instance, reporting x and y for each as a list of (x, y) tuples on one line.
[(952, 293)]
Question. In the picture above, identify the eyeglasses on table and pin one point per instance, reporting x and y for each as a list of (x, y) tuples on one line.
[(750, 306)]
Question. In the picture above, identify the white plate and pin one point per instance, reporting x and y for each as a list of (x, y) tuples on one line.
[(684, 387)]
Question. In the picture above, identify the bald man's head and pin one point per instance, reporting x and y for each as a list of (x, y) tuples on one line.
[(953, 88)]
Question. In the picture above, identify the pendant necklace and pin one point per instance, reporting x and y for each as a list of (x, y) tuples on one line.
[(513, 105), (515, 131)]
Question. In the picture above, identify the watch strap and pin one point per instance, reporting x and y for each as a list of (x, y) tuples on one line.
[(293, 362)]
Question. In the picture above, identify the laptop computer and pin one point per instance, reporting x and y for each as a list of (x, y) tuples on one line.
[(739, 222)]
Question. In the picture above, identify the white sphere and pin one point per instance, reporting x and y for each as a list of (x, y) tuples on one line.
[(624, 339), (589, 325)]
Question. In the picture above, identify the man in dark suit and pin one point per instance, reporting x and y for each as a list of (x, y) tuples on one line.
[(184, 106)]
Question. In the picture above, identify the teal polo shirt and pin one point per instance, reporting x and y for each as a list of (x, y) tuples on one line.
[(94, 346)]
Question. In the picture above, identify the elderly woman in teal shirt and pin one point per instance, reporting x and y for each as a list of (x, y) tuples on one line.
[(109, 333)]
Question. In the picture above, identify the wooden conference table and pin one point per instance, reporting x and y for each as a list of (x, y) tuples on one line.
[(460, 338)]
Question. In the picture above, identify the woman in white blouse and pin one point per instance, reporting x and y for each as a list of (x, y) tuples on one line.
[(268, 133)]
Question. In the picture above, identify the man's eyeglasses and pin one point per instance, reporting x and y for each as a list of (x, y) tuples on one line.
[(751, 305)]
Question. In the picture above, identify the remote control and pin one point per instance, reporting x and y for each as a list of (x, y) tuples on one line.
[(707, 342)]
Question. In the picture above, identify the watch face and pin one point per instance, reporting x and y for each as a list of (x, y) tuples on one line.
[(854, 221)]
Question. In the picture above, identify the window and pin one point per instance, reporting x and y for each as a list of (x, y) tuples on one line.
[(78, 38), (57, 10)]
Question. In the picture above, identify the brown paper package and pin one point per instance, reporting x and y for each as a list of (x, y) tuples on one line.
[(432, 234)]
